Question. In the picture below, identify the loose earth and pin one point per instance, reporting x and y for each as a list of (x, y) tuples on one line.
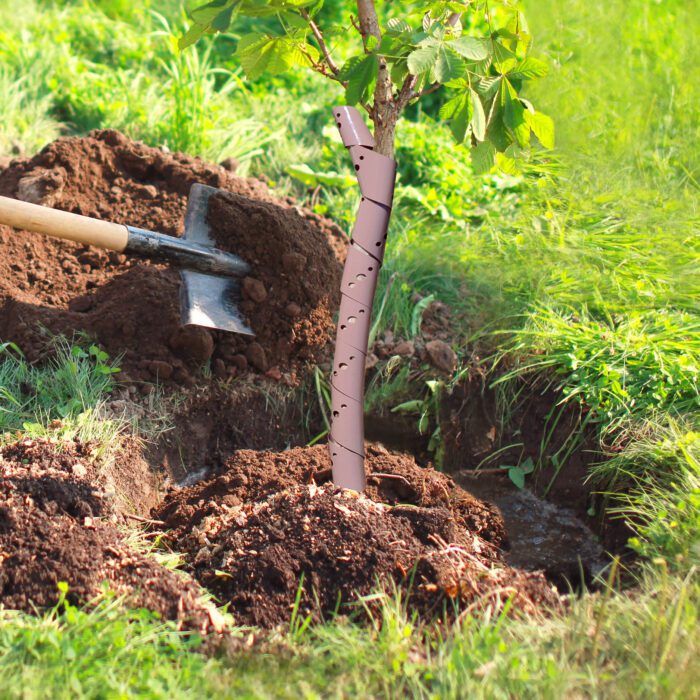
[(50, 287)]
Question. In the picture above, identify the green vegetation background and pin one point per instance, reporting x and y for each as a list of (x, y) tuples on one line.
[(581, 269)]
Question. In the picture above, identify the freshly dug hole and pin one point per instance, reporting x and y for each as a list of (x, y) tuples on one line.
[(57, 526), (131, 307), (269, 524)]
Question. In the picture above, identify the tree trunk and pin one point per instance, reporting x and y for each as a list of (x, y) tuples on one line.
[(376, 173)]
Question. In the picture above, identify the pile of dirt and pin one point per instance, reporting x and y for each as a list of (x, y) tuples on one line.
[(57, 526), (131, 307), (271, 525)]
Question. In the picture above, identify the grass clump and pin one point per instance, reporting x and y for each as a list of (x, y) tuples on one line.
[(607, 645), (61, 398), (103, 652)]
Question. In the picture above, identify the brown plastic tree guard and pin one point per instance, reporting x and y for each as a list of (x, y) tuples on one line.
[(376, 175)]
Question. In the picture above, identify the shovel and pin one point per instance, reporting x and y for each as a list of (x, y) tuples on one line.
[(210, 292)]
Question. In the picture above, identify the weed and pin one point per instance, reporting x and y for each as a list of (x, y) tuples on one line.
[(62, 398)]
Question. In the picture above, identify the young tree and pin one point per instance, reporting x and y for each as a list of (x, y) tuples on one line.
[(423, 47)]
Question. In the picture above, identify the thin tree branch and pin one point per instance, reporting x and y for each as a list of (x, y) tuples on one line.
[(321, 41), (384, 113), (369, 22)]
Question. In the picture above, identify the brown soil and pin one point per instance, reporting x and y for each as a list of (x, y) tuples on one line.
[(212, 421), (57, 526), (131, 307), (294, 285), (472, 431), (252, 533)]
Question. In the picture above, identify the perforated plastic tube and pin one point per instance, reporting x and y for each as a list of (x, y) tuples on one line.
[(376, 175)]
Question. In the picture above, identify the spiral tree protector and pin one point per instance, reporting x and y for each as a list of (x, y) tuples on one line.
[(376, 175)]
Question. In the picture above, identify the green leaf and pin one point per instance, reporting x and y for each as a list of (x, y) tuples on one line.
[(530, 68), (448, 65), (450, 108), (417, 313), (361, 73), (528, 466), (371, 43), (514, 114), (483, 157), (205, 14), (398, 26), (470, 47), (303, 173), (263, 54), (506, 164), (478, 116), (517, 477), (543, 128), (223, 20), (423, 59), (191, 36), (414, 406), (462, 117)]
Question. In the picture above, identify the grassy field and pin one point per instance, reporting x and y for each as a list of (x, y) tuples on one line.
[(583, 272)]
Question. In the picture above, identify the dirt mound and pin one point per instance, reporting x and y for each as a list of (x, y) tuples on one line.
[(55, 526), (131, 307), (256, 533)]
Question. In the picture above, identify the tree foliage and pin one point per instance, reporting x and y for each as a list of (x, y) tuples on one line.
[(398, 61)]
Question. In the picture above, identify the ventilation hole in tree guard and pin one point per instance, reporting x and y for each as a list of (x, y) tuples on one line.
[(340, 126), (336, 414), (352, 357), (362, 157), (369, 269), (360, 277), (357, 167), (352, 320), (343, 365), (338, 115), (343, 405), (362, 311), (342, 327), (378, 243), (351, 284)]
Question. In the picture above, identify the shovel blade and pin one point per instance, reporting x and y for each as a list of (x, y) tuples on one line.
[(211, 301), (206, 299)]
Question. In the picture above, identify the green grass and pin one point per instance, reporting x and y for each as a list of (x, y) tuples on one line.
[(60, 399), (642, 646), (582, 273)]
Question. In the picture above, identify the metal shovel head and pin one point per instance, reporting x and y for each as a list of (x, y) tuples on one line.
[(205, 299)]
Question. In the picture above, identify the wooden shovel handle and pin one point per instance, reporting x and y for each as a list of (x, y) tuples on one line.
[(63, 224)]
